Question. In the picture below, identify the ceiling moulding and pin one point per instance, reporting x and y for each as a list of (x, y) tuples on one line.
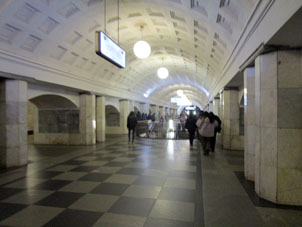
[(48, 25), (41, 73), (3, 4), (8, 33), (26, 13), (31, 43), (69, 10)]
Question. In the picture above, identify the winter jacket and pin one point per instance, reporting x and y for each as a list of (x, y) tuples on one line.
[(205, 127), (131, 122), (191, 124)]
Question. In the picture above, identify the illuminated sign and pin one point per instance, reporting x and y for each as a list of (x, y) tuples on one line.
[(190, 107), (175, 100), (108, 49), (181, 101)]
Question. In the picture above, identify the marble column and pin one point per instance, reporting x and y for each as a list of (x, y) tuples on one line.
[(87, 119), (161, 112), (13, 123), (230, 123), (211, 108), (278, 95), (216, 105), (221, 106), (125, 108), (144, 108), (168, 111), (155, 109), (249, 123), (131, 106), (100, 119)]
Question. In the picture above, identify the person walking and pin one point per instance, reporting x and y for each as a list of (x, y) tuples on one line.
[(182, 119), (216, 130), (131, 124), (191, 127), (206, 127)]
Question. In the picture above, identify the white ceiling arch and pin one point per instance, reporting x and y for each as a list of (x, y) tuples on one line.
[(196, 38)]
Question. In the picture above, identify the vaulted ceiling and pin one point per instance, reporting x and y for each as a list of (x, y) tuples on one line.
[(192, 38)]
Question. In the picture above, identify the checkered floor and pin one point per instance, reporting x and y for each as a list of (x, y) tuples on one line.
[(150, 183)]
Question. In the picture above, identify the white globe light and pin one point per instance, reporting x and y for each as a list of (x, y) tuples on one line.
[(162, 73), (142, 49), (146, 95), (180, 92)]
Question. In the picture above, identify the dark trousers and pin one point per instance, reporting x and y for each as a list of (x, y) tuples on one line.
[(191, 136), (206, 144), (133, 134), (213, 142)]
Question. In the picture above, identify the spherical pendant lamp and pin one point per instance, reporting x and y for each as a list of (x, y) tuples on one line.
[(162, 73), (180, 92), (142, 49)]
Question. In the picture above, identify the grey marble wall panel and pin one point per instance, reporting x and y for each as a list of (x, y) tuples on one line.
[(112, 117), (59, 121)]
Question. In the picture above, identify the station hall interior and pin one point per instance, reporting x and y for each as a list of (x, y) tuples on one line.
[(65, 159)]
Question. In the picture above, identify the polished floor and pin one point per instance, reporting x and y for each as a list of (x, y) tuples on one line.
[(149, 183)]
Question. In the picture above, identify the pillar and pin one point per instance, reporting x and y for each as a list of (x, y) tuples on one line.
[(216, 105), (144, 108), (13, 123), (230, 124), (155, 109), (221, 106), (168, 111), (100, 119), (161, 112), (278, 95), (87, 119), (211, 106), (131, 106), (125, 108), (249, 123)]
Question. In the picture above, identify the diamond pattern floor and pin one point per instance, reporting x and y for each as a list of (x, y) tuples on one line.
[(150, 183)]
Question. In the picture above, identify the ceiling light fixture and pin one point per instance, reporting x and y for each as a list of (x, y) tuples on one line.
[(180, 92), (141, 48), (146, 95), (162, 73)]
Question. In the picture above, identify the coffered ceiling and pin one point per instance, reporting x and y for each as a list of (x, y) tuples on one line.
[(192, 38)]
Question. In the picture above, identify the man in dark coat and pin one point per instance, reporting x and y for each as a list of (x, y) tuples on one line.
[(191, 126), (131, 124), (217, 130)]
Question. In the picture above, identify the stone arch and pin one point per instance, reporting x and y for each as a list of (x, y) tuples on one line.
[(50, 101), (112, 116), (52, 119), (48, 97), (54, 114), (136, 109)]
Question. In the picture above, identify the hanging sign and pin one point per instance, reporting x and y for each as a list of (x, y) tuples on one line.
[(108, 49)]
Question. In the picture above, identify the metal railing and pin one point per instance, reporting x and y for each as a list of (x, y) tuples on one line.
[(172, 129)]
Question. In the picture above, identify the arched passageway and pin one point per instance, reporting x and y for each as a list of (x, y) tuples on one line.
[(52, 119)]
